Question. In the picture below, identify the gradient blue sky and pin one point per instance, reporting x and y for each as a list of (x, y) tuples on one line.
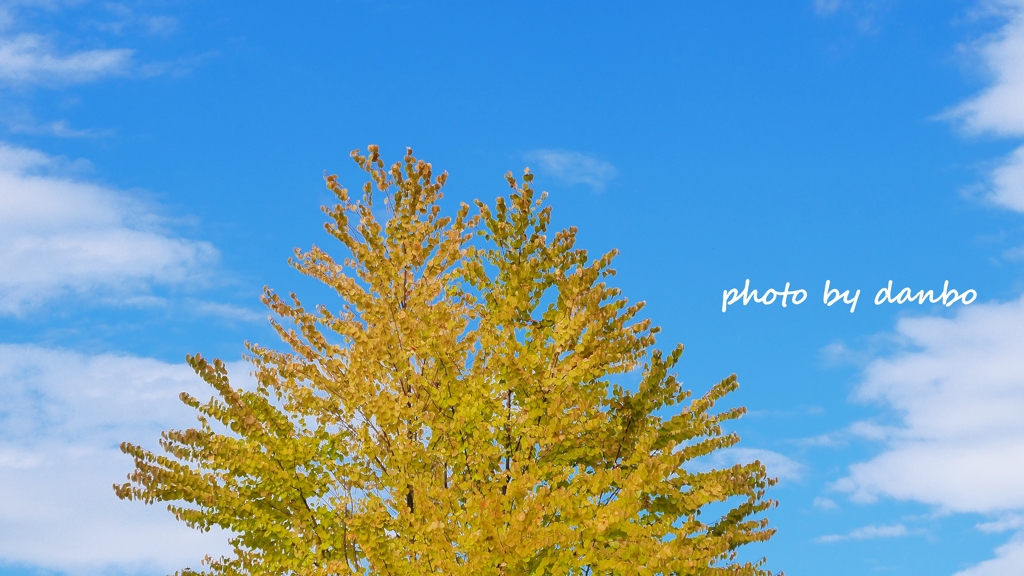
[(160, 160)]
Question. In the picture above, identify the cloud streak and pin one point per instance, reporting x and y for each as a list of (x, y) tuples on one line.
[(58, 128), (1007, 181), (1009, 558), (62, 415), (777, 465), (867, 533), (958, 389), (999, 108), (61, 236), (30, 59), (574, 167)]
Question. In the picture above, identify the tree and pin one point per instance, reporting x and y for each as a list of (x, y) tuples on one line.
[(456, 414)]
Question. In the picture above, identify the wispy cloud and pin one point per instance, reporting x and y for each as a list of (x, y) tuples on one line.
[(823, 503), (999, 108), (60, 235), (1014, 254), (865, 13), (1009, 522), (574, 167), (1009, 559), (867, 533), (830, 440), (827, 7), (62, 416), (1007, 180), (31, 59), (777, 465), (124, 18), (58, 128), (229, 312), (957, 386)]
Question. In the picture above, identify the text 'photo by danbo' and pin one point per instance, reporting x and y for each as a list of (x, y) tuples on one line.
[(832, 295)]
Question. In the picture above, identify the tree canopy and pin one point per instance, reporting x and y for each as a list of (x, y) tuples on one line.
[(456, 411)]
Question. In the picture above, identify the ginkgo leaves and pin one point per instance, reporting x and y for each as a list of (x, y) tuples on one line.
[(454, 411)]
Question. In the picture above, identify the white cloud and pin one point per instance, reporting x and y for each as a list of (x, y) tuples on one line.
[(58, 128), (1009, 559), (777, 465), (999, 109), (6, 19), (60, 235), (958, 388), (1007, 181), (823, 503), (865, 14), (827, 7), (30, 59), (1014, 254), (228, 312), (867, 533), (1009, 522), (574, 167), (62, 415), (126, 19), (961, 391), (160, 25), (822, 440)]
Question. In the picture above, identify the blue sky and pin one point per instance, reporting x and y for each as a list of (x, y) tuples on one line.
[(159, 161)]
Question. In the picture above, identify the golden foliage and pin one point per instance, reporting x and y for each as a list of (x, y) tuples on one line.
[(456, 414)]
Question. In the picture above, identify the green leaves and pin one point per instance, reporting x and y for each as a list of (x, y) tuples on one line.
[(454, 412)]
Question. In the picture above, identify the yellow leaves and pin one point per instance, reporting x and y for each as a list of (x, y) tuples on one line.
[(454, 414)]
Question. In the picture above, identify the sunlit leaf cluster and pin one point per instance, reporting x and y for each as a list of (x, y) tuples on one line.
[(456, 411)]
